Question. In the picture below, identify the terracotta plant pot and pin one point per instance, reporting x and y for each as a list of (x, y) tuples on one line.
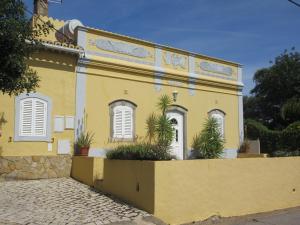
[(84, 151)]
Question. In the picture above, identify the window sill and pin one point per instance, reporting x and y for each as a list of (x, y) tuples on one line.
[(31, 139), (115, 140)]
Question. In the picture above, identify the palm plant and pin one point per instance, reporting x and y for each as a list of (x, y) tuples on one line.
[(159, 128), (84, 140), (151, 127), (164, 103), (209, 144), (164, 131)]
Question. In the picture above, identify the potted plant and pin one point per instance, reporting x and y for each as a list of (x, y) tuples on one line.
[(83, 143)]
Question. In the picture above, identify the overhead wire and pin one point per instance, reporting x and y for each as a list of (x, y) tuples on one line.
[(295, 3)]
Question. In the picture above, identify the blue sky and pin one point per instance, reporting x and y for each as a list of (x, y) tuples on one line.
[(250, 32)]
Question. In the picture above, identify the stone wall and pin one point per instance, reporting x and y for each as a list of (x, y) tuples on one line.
[(34, 167)]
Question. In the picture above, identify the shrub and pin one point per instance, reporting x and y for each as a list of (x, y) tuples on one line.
[(143, 151), (285, 153), (209, 144), (287, 140), (293, 127)]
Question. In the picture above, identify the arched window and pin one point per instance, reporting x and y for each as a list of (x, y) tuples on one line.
[(122, 120), (32, 117), (220, 118)]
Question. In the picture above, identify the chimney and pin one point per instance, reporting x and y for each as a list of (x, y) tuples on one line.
[(41, 7)]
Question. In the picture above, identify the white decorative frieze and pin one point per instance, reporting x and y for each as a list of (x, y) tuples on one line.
[(175, 60), (216, 68), (120, 47)]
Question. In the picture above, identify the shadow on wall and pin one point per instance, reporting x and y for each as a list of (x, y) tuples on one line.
[(55, 61), (2, 122)]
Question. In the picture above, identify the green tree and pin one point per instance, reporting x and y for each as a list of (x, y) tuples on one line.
[(17, 42), (290, 111), (274, 87), (208, 144)]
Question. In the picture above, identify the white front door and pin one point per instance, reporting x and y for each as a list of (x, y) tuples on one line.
[(177, 143)]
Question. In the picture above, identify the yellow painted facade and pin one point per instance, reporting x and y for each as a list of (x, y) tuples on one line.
[(58, 80), (185, 191), (114, 67)]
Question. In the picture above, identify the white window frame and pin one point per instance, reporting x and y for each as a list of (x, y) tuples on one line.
[(18, 100), (121, 105), (218, 113)]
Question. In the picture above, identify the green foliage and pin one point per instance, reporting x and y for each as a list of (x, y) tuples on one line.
[(290, 111), (209, 144), (164, 131), (286, 154), (151, 127), (164, 103), (274, 87), (15, 29), (159, 127), (293, 127), (143, 151), (84, 140), (287, 140)]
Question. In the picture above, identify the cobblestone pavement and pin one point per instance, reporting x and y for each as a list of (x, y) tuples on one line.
[(62, 201)]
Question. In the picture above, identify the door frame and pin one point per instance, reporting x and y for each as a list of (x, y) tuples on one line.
[(183, 111)]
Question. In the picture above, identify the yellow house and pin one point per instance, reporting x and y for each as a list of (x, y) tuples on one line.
[(108, 84)]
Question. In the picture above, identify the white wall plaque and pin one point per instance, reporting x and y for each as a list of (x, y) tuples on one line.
[(49, 147), (69, 122), (59, 123), (63, 147)]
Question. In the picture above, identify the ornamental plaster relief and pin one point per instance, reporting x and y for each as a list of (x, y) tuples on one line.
[(120, 47), (175, 60), (215, 68)]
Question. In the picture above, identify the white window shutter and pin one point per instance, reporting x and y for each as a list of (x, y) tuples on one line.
[(220, 121), (33, 117), (117, 123), (127, 123), (26, 118), (40, 118), (123, 122)]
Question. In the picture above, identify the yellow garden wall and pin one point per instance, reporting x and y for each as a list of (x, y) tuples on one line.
[(58, 80), (87, 169), (132, 181), (185, 191)]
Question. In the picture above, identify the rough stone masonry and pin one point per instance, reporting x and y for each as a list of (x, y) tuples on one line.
[(34, 167)]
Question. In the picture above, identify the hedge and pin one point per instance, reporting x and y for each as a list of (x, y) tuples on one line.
[(143, 151), (275, 142)]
